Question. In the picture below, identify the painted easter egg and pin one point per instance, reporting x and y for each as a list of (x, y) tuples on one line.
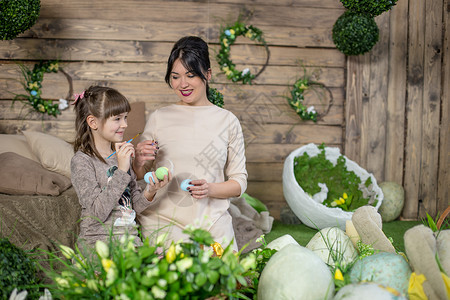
[(333, 246), (161, 172), (295, 272), (367, 290), (148, 176), (388, 269), (393, 201), (185, 184)]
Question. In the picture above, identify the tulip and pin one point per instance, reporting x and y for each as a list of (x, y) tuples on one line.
[(102, 249), (67, 251)]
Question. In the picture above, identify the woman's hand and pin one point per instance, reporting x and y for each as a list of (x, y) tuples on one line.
[(200, 188), (153, 187), (145, 151), (124, 152)]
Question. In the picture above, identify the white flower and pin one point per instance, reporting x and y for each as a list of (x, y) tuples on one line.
[(184, 264), (249, 262), (102, 249), (47, 295), (18, 296), (92, 284), (161, 238), (260, 239), (61, 282), (62, 104), (310, 110), (245, 71), (158, 293)]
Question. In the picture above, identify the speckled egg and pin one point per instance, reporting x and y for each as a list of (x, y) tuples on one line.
[(333, 246), (388, 269), (393, 201)]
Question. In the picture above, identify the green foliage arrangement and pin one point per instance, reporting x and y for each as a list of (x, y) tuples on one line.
[(186, 270), (33, 84), (355, 33), (17, 270), (263, 255), (16, 16), (215, 97), (371, 7), (228, 36), (345, 189)]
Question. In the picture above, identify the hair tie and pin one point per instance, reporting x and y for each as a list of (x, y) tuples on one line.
[(77, 97)]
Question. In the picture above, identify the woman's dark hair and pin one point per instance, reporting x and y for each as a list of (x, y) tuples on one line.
[(194, 55), (102, 103)]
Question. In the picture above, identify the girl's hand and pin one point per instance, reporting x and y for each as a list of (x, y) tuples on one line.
[(152, 187), (145, 151), (200, 188), (124, 152)]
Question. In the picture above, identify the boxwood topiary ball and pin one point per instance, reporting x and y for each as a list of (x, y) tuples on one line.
[(355, 34), (372, 7), (16, 16), (17, 271)]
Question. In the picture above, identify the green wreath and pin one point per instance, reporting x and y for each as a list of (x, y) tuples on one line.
[(297, 97), (228, 36), (33, 85)]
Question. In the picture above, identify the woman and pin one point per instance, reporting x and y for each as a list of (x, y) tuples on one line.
[(200, 142)]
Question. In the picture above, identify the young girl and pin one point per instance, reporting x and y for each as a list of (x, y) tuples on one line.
[(103, 180), (205, 144)]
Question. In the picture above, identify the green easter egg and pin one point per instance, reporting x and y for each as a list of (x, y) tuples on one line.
[(160, 172)]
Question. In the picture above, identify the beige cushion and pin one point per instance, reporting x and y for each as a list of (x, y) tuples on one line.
[(16, 143), (53, 153), (136, 122), (22, 176)]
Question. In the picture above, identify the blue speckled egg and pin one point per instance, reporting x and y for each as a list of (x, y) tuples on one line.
[(148, 176), (185, 184), (388, 269)]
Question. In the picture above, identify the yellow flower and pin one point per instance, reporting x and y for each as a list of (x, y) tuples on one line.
[(218, 250), (248, 34), (53, 66), (171, 254), (32, 85), (108, 264), (228, 73), (338, 275), (345, 196), (225, 69), (232, 31), (225, 42), (341, 200), (41, 108)]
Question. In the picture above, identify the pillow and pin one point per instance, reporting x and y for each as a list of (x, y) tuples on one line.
[(16, 143), (22, 176), (53, 153), (136, 122)]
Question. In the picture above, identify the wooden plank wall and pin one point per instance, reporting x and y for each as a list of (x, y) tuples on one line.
[(125, 43), (397, 105)]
